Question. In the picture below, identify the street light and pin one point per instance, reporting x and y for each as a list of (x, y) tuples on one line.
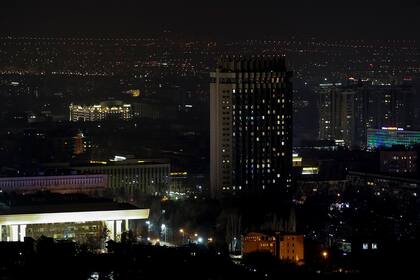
[(149, 225), (163, 228), (325, 254), (182, 233)]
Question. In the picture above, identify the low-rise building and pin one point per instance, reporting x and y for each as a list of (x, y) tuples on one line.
[(88, 184), (286, 247), (81, 222)]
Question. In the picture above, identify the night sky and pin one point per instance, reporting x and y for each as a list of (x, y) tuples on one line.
[(220, 19)]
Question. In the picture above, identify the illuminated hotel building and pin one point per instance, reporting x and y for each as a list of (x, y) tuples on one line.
[(387, 137), (250, 126), (104, 110)]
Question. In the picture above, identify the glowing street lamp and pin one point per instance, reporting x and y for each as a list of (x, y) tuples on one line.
[(163, 228), (324, 254)]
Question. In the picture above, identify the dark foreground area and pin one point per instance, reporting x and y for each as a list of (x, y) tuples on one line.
[(49, 259)]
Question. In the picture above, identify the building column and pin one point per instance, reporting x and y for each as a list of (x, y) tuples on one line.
[(14, 232), (110, 225), (118, 229), (1, 233), (126, 227), (22, 232)]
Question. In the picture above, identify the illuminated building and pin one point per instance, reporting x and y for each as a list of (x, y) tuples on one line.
[(337, 113), (387, 137), (59, 184), (131, 175), (57, 143), (287, 247), (258, 242), (297, 160), (310, 170), (346, 112), (384, 182), (250, 126), (103, 111), (133, 92), (398, 161), (292, 248), (79, 146), (178, 186), (79, 222)]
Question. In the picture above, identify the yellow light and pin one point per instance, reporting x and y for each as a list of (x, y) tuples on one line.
[(140, 161), (97, 162), (178, 173), (325, 254), (181, 230)]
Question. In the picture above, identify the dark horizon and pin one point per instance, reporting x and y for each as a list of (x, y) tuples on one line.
[(216, 19)]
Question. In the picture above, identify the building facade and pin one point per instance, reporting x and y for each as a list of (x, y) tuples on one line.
[(292, 248), (58, 184), (286, 247), (346, 112), (100, 223), (103, 111), (398, 161), (258, 242), (386, 137), (132, 176), (250, 126)]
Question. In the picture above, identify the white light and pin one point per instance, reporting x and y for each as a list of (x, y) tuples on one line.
[(200, 240), (163, 226), (67, 217)]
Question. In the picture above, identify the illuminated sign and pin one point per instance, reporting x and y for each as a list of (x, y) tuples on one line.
[(392, 128)]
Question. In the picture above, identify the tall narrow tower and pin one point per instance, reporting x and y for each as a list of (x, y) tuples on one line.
[(250, 126)]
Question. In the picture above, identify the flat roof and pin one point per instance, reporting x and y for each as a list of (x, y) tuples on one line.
[(65, 206), (73, 217)]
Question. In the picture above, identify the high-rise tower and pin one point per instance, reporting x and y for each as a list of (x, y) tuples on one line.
[(250, 126)]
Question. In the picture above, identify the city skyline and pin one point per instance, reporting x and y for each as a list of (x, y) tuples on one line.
[(215, 139)]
